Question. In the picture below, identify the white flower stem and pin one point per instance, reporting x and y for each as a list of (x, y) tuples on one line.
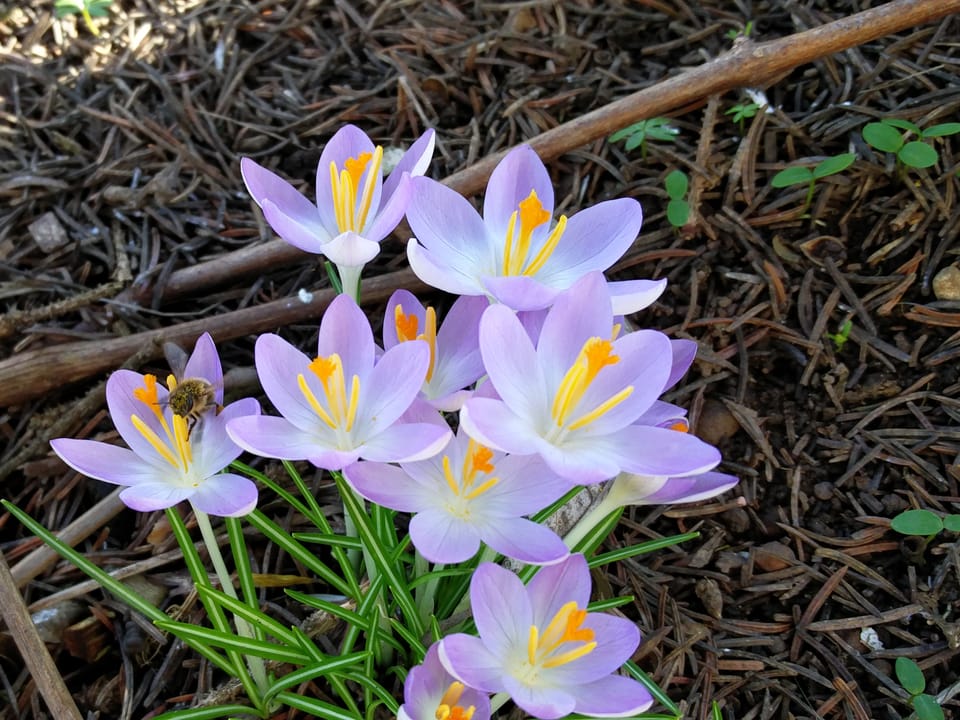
[(589, 521), (244, 629), (350, 280)]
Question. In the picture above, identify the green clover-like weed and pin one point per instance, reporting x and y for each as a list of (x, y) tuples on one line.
[(637, 135), (911, 679), (800, 174), (88, 9), (741, 112), (678, 209), (890, 135)]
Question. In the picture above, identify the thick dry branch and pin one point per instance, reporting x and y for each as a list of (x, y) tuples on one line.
[(34, 373)]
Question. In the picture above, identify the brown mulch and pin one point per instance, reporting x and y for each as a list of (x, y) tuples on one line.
[(119, 169)]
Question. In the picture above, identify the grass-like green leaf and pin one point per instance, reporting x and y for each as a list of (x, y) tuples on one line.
[(643, 548), (315, 708), (350, 617), (917, 522), (918, 155), (882, 136), (329, 539), (833, 165), (797, 175), (910, 676), (229, 641), (332, 666), (941, 130), (659, 695), (206, 713), (254, 616), (379, 555)]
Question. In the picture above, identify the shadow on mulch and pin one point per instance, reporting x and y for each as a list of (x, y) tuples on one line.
[(119, 164)]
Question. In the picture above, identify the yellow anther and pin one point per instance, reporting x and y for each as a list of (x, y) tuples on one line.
[(351, 202), (148, 393), (531, 215), (476, 461), (408, 327), (448, 709), (595, 355), (564, 627), (342, 409)]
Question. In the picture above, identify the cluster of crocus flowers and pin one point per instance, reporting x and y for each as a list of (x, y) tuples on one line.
[(532, 364)]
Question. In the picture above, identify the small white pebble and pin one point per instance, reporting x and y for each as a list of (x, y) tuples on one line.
[(869, 637), (305, 296)]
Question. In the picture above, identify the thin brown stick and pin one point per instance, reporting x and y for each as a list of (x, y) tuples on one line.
[(748, 64), (32, 650)]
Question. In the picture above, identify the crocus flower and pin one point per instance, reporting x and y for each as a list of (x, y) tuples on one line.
[(345, 403), (467, 495), (512, 253), (575, 397), (355, 208), (431, 693), (455, 360), (539, 644), (171, 457)]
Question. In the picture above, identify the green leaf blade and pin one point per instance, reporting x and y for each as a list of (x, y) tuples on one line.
[(882, 136), (927, 708), (941, 130), (918, 155), (910, 676), (792, 176), (678, 212), (677, 183), (833, 165), (917, 522)]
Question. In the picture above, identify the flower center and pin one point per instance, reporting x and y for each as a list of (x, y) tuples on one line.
[(340, 411), (351, 202), (595, 355), (408, 327), (563, 640), (448, 709), (175, 448), (517, 244), (473, 481)]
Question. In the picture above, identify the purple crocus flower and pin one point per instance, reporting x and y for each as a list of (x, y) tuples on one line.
[(355, 208), (539, 644), (576, 396), (512, 253), (467, 495), (431, 693), (171, 457), (345, 403), (455, 360)]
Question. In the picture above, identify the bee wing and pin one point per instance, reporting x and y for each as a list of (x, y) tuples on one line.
[(177, 358)]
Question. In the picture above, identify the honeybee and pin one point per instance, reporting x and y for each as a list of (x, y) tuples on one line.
[(191, 397)]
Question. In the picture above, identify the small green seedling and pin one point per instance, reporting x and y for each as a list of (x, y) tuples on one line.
[(88, 9), (890, 135), (910, 677), (734, 34), (924, 524), (743, 111), (840, 338), (678, 209), (638, 134), (800, 174)]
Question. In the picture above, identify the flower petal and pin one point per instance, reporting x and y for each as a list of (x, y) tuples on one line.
[(272, 437), (213, 449), (149, 496), (520, 171), (345, 331), (630, 296), (204, 362), (348, 142), (406, 442), (492, 423), (520, 292), (278, 364), (501, 608), (645, 450), (515, 374), (442, 538), (434, 270), (311, 238), (611, 696), (522, 540), (101, 461), (415, 161), (467, 659), (385, 485), (539, 701), (225, 495)]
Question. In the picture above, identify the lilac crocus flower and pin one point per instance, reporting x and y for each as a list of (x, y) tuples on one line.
[(171, 458), (345, 403), (576, 396), (539, 644), (431, 693), (512, 254), (455, 360), (467, 495), (355, 208)]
